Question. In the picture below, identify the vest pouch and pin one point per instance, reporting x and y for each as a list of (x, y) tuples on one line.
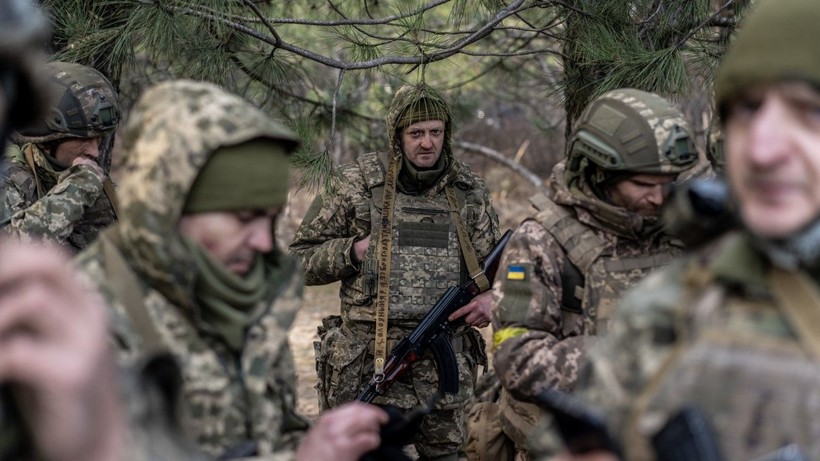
[(340, 361)]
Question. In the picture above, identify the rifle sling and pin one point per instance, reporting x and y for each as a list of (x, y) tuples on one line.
[(801, 304), (383, 250), (111, 193), (467, 250), (28, 153)]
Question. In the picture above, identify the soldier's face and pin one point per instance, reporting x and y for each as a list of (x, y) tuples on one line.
[(234, 238), (77, 150), (640, 193), (422, 143), (772, 152)]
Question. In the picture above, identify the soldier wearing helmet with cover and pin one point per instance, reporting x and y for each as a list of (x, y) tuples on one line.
[(57, 184), (596, 233), (733, 329)]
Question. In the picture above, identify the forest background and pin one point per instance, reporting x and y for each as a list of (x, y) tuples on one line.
[(518, 73)]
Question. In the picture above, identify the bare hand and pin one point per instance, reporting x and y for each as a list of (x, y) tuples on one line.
[(360, 248), (90, 163), (55, 355), (344, 433), (476, 313)]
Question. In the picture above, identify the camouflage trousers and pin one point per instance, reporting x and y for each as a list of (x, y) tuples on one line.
[(344, 363)]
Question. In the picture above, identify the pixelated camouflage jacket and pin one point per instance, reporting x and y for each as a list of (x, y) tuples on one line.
[(72, 210), (709, 331), (539, 341), (231, 396), (336, 220)]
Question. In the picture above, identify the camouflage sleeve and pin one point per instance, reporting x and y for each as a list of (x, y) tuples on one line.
[(334, 221), (641, 337), (485, 228), (530, 349), (54, 215)]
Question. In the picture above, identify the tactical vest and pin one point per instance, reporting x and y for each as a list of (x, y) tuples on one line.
[(425, 252), (593, 278), (95, 218), (739, 361)]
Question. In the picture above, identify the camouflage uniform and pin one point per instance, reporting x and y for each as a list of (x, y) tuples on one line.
[(426, 260), (709, 331), (147, 274), (42, 200), (564, 269), (732, 329)]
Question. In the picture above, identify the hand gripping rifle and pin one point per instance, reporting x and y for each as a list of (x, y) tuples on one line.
[(434, 332)]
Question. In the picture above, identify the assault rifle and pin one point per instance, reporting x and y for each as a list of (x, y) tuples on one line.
[(434, 332)]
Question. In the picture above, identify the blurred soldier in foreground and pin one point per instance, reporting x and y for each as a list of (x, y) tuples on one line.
[(402, 227), (59, 396), (596, 234), (192, 268), (57, 184), (734, 331)]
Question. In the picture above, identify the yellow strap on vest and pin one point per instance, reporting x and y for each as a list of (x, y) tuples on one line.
[(125, 284), (383, 250), (467, 249), (111, 193), (28, 153), (801, 303)]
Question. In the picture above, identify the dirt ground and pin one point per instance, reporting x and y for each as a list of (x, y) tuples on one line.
[(509, 195)]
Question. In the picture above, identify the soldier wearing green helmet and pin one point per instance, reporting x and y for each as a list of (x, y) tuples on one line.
[(596, 232), (733, 329), (57, 184)]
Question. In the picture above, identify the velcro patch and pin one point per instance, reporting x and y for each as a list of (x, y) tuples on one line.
[(516, 273)]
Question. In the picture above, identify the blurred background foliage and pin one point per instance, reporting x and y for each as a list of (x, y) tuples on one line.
[(518, 71)]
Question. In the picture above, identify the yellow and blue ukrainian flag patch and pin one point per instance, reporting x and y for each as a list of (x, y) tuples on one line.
[(516, 273)]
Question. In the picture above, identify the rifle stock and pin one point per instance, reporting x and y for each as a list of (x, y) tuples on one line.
[(434, 332)]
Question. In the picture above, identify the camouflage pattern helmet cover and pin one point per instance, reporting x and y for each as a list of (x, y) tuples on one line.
[(633, 131), (23, 31), (83, 105)]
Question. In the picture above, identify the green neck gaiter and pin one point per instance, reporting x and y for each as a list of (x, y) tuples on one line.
[(228, 303), (414, 181)]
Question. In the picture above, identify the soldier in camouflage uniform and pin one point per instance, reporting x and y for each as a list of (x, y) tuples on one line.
[(597, 233), (734, 330), (192, 268), (57, 184), (412, 202)]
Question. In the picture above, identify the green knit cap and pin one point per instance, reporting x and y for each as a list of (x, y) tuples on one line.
[(251, 175), (779, 40)]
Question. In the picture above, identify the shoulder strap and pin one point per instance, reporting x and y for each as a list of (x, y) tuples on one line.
[(28, 154), (125, 284), (111, 193), (801, 304), (579, 242), (467, 249), (373, 166)]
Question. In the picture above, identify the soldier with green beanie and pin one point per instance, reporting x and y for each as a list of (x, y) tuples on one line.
[(733, 330), (400, 227), (192, 268), (596, 233), (57, 186)]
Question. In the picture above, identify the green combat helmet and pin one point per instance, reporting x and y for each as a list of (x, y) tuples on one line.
[(629, 131), (83, 105)]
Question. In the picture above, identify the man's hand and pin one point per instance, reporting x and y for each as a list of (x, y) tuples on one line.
[(55, 356), (91, 164), (476, 313), (343, 434), (360, 248)]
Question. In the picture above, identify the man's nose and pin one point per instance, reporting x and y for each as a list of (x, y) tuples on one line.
[(91, 148), (769, 133), (260, 237), (655, 195), (427, 141)]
